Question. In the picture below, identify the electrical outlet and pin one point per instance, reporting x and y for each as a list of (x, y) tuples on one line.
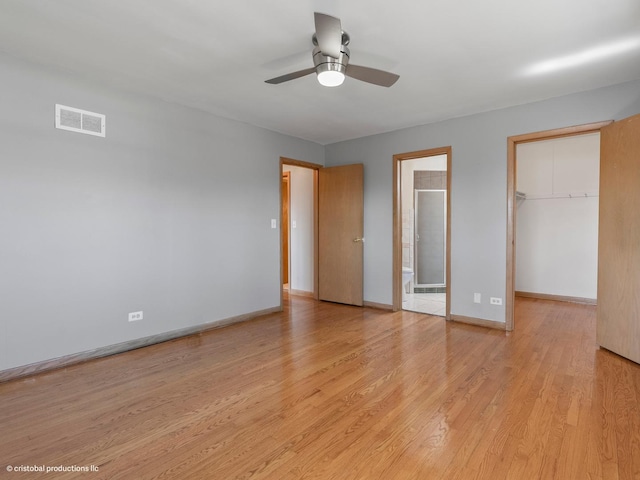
[(495, 301), (477, 298), (135, 316)]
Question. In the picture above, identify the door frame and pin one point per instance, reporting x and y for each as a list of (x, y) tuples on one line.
[(512, 143), (397, 224), (315, 167)]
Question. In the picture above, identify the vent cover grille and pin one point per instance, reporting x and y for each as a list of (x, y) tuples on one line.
[(80, 121)]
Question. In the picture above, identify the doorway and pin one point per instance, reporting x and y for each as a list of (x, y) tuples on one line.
[(298, 222), (557, 193), (286, 206), (422, 231), (305, 245), (515, 197)]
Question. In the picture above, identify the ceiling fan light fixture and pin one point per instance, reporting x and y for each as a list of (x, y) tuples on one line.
[(330, 74), (330, 78)]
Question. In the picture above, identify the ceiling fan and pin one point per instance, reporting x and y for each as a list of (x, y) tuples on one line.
[(331, 58)]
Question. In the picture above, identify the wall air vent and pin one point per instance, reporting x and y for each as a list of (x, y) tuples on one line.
[(80, 121)]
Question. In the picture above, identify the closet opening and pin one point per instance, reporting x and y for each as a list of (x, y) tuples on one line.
[(552, 216)]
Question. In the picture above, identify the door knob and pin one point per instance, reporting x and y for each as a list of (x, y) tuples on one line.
[(358, 239)]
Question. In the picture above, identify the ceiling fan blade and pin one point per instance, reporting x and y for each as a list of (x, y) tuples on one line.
[(328, 34), (371, 75), (291, 76)]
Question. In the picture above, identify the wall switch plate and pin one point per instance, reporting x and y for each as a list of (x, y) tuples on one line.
[(495, 301), (274, 224), (293, 224), (477, 298), (135, 316)]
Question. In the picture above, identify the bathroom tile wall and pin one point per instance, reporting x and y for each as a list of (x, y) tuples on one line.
[(422, 180), (430, 180)]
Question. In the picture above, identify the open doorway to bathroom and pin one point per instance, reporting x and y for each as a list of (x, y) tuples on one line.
[(422, 226)]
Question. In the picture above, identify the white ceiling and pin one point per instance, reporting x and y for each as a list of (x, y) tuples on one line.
[(454, 57)]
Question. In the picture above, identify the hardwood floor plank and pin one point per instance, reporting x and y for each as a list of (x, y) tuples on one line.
[(325, 391)]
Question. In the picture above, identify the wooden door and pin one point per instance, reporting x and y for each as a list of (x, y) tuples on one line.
[(340, 234), (618, 311)]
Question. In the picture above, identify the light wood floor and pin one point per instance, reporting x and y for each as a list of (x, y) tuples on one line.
[(324, 391)]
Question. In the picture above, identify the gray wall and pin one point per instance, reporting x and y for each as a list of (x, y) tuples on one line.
[(478, 191), (169, 214)]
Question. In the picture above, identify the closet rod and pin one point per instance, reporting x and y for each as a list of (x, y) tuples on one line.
[(563, 195)]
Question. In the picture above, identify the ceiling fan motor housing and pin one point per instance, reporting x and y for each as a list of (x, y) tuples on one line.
[(325, 63), (331, 58)]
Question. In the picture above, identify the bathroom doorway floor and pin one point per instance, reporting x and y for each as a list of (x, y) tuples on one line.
[(430, 303)]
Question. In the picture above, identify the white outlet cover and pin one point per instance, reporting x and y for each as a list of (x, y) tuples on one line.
[(135, 316), (477, 298)]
